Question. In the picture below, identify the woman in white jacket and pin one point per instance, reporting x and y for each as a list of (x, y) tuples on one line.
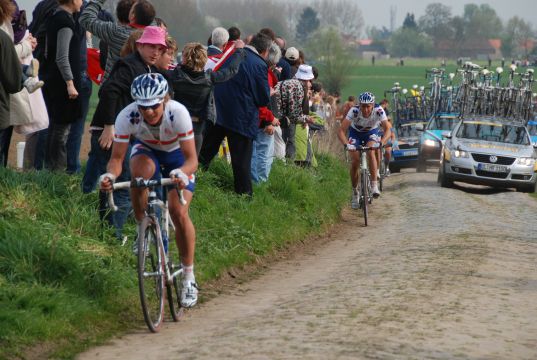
[(28, 111)]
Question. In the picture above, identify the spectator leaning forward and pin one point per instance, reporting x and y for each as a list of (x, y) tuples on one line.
[(292, 58)]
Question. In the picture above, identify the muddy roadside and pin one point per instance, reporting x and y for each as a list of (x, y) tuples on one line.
[(439, 273)]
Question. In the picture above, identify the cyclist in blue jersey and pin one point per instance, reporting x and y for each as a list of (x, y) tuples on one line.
[(363, 123), (163, 138)]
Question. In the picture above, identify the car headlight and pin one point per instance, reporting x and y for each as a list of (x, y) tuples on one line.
[(429, 142), (526, 161), (460, 154)]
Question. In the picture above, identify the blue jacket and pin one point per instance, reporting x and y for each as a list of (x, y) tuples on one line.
[(238, 99)]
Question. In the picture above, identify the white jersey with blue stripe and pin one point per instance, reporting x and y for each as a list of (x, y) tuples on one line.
[(363, 124), (176, 125)]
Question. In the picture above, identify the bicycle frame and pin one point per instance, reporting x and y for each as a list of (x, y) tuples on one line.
[(152, 203), (153, 252)]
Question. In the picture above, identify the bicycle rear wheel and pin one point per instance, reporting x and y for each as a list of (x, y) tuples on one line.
[(382, 169), (151, 273), (364, 194)]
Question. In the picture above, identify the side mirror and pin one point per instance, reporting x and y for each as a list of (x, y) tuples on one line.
[(446, 134), (419, 127)]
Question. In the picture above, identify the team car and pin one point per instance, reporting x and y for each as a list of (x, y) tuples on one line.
[(489, 151), (406, 145), (430, 141)]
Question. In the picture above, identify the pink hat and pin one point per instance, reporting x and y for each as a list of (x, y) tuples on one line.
[(153, 35)]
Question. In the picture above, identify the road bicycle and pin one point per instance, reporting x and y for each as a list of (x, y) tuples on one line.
[(382, 166), (156, 267), (364, 186)]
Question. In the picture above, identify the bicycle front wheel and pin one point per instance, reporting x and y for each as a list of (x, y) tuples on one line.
[(151, 273), (364, 194)]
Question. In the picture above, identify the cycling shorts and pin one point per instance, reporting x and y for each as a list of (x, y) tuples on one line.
[(166, 161), (363, 137)]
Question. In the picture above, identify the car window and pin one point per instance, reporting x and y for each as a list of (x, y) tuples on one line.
[(504, 133), (442, 123), (407, 130)]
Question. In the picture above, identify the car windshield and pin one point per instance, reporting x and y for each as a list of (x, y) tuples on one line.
[(532, 129), (407, 130), (504, 133), (442, 123)]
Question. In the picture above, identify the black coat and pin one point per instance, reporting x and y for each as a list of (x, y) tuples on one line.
[(115, 93), (194, 89), (62, 109)]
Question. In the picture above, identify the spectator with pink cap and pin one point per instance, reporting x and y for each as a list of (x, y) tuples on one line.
[(114, 96)]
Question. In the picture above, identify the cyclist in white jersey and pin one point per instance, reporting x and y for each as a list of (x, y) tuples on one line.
[(163, 139), (363, 123)]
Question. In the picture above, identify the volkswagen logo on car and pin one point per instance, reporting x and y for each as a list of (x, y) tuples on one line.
[(493, 159)]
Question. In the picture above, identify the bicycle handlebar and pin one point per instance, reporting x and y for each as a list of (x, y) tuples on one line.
[(141, 183), (366, 148)]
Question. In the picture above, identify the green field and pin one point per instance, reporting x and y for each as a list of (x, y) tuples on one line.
[(381, 77)]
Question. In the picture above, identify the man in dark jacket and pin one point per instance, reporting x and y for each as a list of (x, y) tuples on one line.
[(115, 95), (10, 83), (237, 103)]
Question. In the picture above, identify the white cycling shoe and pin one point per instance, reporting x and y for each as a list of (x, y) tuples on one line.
[(189, 294), (375, 190)]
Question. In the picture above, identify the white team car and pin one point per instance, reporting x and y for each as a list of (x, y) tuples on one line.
[(489, 151)]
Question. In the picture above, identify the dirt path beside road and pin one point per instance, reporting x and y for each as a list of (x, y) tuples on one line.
[(439, 273)]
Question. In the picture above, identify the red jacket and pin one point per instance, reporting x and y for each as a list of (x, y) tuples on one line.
[(266, 117)]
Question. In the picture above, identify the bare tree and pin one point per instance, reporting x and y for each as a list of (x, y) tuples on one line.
[(185, 23), (332, 57), (436, 21), (250, 16), (517, 35), (344, 15)]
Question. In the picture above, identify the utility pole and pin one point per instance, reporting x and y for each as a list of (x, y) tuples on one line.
[(198, 7), (393, 12)]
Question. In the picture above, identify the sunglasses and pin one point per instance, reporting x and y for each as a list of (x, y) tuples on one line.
[(152, 107)]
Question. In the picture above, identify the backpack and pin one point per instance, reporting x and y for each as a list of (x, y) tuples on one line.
[(38, 26)]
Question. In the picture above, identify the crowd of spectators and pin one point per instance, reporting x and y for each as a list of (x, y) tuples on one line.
[(257, 93)]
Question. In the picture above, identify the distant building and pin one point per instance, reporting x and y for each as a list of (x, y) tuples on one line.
[(367, 48), (471, 48)]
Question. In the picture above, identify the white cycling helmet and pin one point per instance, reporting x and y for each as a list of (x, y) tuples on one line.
[(149, 89), (367, 98)]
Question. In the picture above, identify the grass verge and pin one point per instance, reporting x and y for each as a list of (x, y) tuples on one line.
[(66, 285)]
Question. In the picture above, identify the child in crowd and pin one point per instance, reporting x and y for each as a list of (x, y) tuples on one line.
[(29, 76)]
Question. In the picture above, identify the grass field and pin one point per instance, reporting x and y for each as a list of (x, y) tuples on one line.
[(66, 284), (381, 77)]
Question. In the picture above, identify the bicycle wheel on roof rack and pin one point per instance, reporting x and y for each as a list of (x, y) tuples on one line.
[(151, 273)]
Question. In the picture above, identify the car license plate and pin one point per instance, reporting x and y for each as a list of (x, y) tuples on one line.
[(493, 168), (411, 153)]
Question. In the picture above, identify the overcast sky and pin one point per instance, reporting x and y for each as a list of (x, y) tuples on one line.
[(377, 12), (506, 9)]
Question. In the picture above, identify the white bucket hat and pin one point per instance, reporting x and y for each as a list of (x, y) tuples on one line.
[(305, 72)]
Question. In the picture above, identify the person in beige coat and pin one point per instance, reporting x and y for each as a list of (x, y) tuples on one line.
[(28, 112)]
